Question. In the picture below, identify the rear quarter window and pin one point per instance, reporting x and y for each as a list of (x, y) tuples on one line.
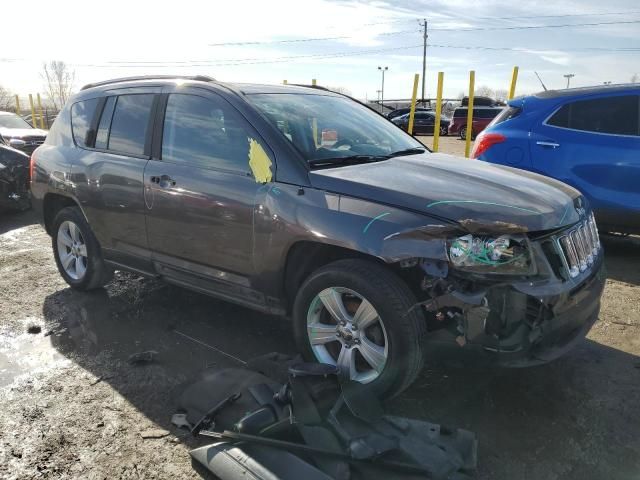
[(609, 115), (81, 117), (506, 114)]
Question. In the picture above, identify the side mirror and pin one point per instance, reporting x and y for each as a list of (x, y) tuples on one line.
[(17, 143)]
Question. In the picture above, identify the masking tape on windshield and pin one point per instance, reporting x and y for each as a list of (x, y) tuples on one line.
[(259, 162)]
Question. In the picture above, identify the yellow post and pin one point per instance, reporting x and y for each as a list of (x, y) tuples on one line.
[(284, 82), (313, 82), (314, 127), (472, 81), (436, 126), (514, 79), (33, 112), (17, 104), (412, 112), (40, 112)]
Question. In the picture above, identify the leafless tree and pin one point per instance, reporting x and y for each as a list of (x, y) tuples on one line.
[(6, 99), (58, 80), (501, 94), (485, 91), (635, 78)]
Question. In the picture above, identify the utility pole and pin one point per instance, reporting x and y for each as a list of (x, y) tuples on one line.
[(424, 54), (378, 92), (382, 91), (569, 76)]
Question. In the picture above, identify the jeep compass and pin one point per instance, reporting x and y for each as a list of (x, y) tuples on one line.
[(302, 202)]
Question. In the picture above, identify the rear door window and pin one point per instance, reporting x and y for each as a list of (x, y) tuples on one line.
[(609, 115), (81, 117), (130, 123), (206, 133)]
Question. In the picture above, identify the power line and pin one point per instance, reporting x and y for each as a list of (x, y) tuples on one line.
[(525, 49), (241, 61), (404, 32), (285, 59), (567, 15), (532, 27), (302, 40)]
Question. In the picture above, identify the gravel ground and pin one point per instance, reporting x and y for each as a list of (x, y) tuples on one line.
[(73, 407)]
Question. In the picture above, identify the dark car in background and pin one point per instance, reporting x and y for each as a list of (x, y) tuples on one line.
[(18, 134), (370, 243), (402, 111), (423, 122), (14, 179), (482, 116), (588, 138)]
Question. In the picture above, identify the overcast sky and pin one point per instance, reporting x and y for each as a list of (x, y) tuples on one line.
[(118, 38)]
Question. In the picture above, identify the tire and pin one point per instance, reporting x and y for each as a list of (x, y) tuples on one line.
[(463, 133), (398, 329), (444, 131), (82, 272)]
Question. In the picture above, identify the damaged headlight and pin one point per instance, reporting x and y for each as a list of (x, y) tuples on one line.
[(505, 254)]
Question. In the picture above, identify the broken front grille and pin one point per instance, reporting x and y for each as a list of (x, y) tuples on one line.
[(580, 246)]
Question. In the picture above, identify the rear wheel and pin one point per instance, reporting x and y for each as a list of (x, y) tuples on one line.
[(77, 252), (443, 131), (358, 315)]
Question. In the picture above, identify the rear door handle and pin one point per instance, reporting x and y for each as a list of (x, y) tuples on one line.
[(548, 144)]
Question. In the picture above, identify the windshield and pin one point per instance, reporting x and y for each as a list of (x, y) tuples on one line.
[(323, 126), (13, 121)]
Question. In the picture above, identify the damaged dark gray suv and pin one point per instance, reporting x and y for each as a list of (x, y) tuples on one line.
[(298, 201)]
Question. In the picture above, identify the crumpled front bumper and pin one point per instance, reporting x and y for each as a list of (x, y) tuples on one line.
[(570, 314), (523, 324)]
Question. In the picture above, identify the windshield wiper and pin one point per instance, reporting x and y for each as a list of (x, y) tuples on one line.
[(348, 160), (408, 151)]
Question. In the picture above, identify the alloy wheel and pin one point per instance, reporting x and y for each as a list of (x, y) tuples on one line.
[(344, 329), (72, 250)]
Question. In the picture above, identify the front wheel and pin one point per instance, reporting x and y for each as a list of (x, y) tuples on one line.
[(443, 131), (358, 315)]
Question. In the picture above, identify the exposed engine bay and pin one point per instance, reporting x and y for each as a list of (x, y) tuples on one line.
[(14, 179)]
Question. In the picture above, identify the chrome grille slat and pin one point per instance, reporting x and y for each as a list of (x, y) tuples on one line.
[(580, 246)]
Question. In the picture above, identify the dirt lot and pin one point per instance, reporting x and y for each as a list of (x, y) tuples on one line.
[(452, 145), (73, 407)]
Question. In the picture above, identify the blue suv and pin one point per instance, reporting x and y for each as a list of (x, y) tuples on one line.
[(586, 137)]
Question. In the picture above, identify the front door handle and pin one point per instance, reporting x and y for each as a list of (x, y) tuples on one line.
[(164, 181), (548, 144)]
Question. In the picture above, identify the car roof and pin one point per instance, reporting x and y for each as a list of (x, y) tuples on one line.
[(240, 88), (7, 113), (568, 92)]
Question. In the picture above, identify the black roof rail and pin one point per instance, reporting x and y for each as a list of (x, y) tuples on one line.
[(199, 78), (317, 87)]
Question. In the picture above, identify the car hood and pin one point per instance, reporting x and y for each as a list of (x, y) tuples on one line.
[(476, 194), (22, 132)]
